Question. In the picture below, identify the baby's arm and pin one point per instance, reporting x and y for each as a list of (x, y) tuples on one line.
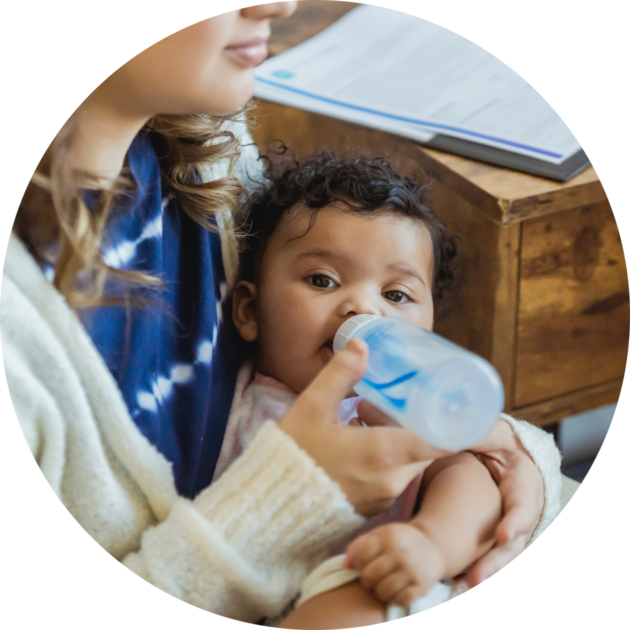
[(460, 509), (461, 506)]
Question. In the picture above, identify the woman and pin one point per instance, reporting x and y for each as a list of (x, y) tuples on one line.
[(124, 407)]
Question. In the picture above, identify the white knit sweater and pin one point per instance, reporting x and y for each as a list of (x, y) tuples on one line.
[(243, 547)]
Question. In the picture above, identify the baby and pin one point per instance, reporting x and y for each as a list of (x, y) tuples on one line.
[(325, 241)]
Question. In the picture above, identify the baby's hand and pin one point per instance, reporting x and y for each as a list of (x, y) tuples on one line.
[(398, 563)]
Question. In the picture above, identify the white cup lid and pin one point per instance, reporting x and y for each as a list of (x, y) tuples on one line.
[(346, 331)]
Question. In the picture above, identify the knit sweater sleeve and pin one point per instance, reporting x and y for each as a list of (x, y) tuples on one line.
[(241, 548)]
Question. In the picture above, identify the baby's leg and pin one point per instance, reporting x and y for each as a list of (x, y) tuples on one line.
[(348, 606)]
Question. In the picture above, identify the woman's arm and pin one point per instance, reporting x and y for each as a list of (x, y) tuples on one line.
[(243, 547)]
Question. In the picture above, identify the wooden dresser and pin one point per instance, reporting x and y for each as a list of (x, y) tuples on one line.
[(544, 290)]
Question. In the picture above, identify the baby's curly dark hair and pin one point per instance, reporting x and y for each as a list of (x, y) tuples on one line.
[(365, 186)]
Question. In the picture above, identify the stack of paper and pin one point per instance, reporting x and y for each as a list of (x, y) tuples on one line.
[(405, 75)]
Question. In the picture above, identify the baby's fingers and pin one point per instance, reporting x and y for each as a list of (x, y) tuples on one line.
[(362, 551), (408, 596), (389, 588), (377, 571)]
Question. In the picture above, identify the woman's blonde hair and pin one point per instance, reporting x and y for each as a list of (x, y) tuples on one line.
[(55, 221)]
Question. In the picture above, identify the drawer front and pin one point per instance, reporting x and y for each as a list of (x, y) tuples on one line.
[(573, 313)]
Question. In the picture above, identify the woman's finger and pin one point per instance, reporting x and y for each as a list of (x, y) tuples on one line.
[(373, 417), (512, 537), (398, 443), (500, 441), (492, 562), (333, 384), (512, 534), (401, 446), (520, 521), (523, 493)]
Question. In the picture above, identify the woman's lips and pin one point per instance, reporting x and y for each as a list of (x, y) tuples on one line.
[(250, 53)]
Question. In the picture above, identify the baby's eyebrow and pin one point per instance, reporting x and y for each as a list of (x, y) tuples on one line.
[(320, 253), (406, 270)]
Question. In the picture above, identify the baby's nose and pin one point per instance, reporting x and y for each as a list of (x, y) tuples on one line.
[(360, 304)]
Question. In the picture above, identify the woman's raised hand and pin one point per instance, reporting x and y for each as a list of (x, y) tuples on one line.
[(372, 465)]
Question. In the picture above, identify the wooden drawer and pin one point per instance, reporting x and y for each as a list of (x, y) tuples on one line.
[(573, 314)]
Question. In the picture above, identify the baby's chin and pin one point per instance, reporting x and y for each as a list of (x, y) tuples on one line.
[(350, 394), (299, 380)]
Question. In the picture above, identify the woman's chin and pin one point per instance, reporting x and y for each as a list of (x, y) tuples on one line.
[(240, 91)]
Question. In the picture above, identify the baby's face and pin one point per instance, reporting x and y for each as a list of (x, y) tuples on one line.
[(310, 282)]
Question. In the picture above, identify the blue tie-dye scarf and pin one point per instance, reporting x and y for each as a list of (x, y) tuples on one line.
[(174, 361)]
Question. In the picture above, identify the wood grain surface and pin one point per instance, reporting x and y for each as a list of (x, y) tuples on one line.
[(573, 314), (554, 409)]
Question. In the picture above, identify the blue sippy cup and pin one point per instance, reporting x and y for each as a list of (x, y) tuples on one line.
[(449, 396)]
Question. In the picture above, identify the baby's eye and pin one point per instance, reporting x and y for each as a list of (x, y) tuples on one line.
[(321, 281), (398, 297)]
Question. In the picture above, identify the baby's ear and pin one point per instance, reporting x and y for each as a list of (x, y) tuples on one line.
[(244, 310)]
